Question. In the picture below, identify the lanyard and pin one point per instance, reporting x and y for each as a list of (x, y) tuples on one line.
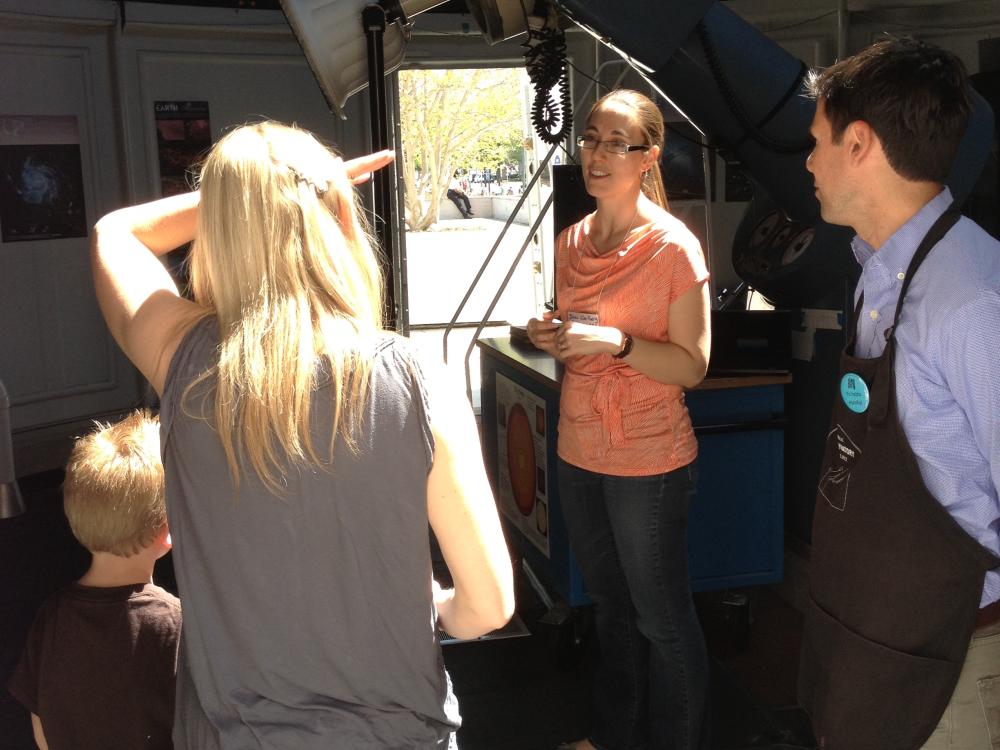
[(619, 254)]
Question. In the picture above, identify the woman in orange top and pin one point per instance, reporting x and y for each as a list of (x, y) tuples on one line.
[(632, 328)]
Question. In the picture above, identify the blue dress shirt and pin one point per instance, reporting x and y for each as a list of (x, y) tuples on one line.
[(947, 362)]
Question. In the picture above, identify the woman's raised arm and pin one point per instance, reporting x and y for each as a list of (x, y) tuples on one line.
[(138, 298)]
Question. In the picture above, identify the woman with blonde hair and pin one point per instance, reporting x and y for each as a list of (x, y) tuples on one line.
[(305, 454), (632, 328)]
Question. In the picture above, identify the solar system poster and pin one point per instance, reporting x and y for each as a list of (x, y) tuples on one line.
[(183, 137), (41, 178), (521, 445)]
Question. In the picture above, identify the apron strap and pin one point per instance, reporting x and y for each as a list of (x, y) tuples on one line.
[(852, 331), (934, 235), (884, 387)]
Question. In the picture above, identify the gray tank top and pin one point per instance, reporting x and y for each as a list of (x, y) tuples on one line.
[(308, 618)]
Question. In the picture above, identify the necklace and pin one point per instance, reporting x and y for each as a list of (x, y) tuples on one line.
[(618, 256)]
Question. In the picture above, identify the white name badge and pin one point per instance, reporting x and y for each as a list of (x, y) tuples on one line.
[(581, 317)]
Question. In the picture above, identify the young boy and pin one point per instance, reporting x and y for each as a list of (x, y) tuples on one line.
[(99, 666)]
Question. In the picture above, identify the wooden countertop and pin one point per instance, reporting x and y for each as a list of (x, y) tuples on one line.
[(544, 368)]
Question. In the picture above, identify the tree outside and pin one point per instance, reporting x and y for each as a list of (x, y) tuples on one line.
[(454, 119)]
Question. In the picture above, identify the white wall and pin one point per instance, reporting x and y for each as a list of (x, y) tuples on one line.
[(57, 361)]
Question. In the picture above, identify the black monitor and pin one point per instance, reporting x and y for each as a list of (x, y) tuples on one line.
[(570, 199), (570, 203)]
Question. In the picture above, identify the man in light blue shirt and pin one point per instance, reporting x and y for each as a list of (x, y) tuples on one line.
[(947, 362), (887, 128)]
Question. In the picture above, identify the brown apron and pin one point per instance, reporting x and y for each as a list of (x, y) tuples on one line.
[(895, 582)]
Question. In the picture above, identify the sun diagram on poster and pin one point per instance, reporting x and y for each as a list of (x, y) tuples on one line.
[(521, 448)]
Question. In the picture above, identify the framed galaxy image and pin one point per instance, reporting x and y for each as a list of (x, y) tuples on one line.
[(41, 178)]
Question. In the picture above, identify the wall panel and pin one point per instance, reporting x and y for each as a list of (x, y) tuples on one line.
[(58, 361)]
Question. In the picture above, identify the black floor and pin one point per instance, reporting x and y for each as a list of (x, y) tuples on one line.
[(527, 693)]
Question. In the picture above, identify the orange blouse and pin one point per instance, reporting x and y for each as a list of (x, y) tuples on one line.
[(613, 419)]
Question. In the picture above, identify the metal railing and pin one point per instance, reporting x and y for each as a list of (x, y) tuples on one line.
[(503, 232)]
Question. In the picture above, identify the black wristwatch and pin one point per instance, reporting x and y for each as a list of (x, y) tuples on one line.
[(626, 346)]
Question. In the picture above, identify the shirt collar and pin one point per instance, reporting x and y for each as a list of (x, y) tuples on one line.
[(898, 250)]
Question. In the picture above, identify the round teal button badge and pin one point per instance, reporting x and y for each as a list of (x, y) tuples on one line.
[(854, 391)]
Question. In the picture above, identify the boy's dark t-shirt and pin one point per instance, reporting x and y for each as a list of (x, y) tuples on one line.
[(99, 667)]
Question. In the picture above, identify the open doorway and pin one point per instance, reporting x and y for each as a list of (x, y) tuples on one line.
[(464, 167)]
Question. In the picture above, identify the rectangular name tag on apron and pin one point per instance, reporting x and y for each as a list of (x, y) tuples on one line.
[(841, 455), (582, 317)]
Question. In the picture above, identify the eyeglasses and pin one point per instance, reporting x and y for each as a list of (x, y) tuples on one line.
[(619, 148)]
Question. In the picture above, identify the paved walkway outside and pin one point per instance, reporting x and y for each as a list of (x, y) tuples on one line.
[(441, 264)]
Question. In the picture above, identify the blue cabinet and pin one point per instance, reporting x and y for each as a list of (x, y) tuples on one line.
[(735, 534), (736, 527)]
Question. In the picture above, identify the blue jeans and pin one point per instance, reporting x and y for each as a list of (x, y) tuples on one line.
[(628, 535)]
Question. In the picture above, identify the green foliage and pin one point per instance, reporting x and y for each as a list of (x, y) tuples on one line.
[(450, 119), (497, 147), (515, 152)]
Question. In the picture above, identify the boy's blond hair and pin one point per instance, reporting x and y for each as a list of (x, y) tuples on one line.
[(113, 493)]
